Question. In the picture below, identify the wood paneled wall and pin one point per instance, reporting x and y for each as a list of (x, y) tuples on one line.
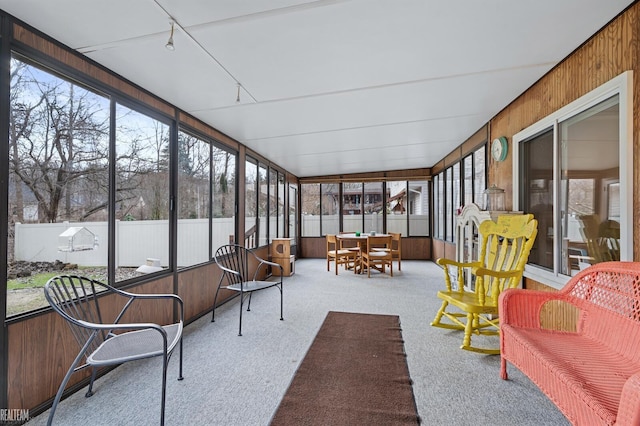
[(41, 348), (555, 315), (413, 248), (609, 53)]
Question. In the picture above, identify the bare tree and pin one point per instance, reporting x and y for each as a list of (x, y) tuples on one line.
[(58, 138)]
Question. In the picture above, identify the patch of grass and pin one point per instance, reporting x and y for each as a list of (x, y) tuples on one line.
[(34, 281)]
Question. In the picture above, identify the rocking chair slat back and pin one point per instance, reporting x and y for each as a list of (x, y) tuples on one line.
[(504, 251)]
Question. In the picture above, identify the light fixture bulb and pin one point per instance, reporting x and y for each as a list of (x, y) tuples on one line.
[(169, 44), (238, 97)]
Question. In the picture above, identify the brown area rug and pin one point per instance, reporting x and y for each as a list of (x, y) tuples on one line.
[(355, 373)]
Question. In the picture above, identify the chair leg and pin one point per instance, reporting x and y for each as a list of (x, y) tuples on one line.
[(67, 376), (164, 386), (280, 288), (93, 378), (466, 340), (503, 369), (213, 311), (240, 325), (436, 321), (180, 377)]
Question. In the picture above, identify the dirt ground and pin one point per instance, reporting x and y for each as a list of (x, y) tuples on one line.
[(28, 299)]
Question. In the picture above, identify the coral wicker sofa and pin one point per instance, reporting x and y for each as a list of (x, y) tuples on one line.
[(593, 373)]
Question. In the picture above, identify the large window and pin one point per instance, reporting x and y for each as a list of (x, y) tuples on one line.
[(142, 190), (455, 204), (574, 167), (58, 181), (397, 207), (310, 209), (201, 166), (223, 177), (462, 183), (418, 206), (193, 199), (394, 206), (274, 207), (479, 174), (439, 208), (263, 205), (251, 204), (293, 213), (373, 207), (330, 204)]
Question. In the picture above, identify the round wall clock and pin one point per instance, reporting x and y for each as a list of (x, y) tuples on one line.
[(499, 148)]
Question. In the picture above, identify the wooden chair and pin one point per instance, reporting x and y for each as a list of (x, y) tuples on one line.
[(602, 238), (396, 248), (378, 254), (504, 250), (340, 255)]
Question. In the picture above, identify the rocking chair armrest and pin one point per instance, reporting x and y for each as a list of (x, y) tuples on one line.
[(450, 262), (497, 274)]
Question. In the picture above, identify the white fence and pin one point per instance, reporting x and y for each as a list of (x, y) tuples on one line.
[(135, 240)]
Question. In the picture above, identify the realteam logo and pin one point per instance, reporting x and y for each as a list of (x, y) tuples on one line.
[(10, 416)]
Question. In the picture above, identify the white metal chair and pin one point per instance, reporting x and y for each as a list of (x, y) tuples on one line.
[(83, 302)]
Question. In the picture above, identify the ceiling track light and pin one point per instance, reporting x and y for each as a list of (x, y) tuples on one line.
[(169, 44), (238, 97)]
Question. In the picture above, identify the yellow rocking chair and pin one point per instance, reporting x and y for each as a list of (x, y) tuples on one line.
[(504, 250)]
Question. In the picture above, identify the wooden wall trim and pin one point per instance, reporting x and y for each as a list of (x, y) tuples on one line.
[(207, 130), (409, 174), (413, 248), (476, 140), (87, 67)]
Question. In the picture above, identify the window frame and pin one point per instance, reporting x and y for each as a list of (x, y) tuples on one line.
[(622, 85)]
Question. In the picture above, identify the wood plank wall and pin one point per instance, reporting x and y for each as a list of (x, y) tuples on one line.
[(555, 315), (41, 349), (609, 53), (413, 248)]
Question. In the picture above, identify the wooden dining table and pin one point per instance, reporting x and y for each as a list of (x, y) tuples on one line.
[(356, 242)]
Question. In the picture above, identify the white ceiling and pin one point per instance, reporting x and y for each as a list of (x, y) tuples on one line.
[(330, 86)]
